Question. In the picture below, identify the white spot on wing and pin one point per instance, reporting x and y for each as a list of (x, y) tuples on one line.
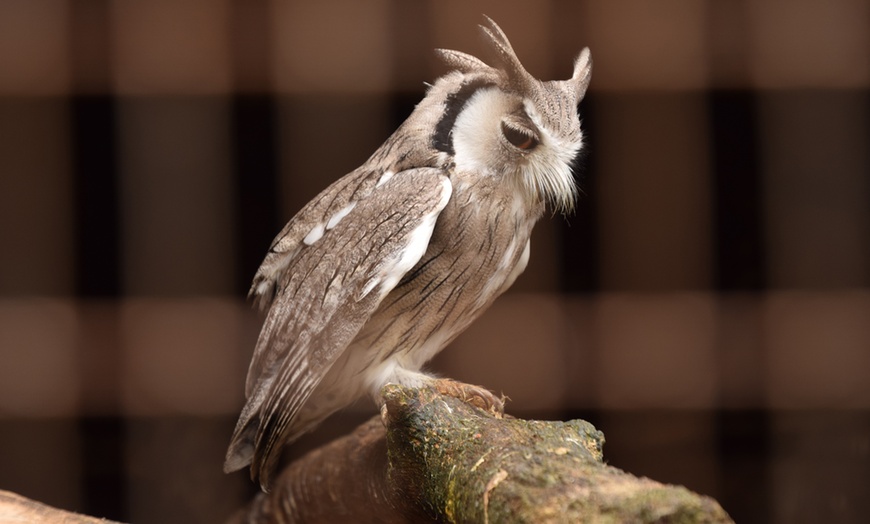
[(339, 215), (384, 178), (271, 270), (264, 286), (314, 235), (418, 242), (370, 285), (446, 191)]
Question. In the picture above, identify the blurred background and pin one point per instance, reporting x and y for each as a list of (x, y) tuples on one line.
[(707, 306)]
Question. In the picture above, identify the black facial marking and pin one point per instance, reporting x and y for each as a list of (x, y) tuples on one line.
[(441, 140)]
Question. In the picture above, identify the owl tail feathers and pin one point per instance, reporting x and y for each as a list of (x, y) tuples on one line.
[(244, 451), (241, 450), (258, 440)]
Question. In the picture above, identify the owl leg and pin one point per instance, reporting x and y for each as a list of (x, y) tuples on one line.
[(477, 396)]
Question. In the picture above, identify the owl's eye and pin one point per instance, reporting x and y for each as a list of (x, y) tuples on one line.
[(519, 138)]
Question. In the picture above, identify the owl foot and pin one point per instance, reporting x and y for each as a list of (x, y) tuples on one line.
[(477, 396)]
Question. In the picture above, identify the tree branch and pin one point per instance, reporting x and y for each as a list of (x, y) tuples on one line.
[(437, 459), (15, 508), (432, 458)]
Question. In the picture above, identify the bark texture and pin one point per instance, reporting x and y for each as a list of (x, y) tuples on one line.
[(430, 457), (14, 509), (434, 458)]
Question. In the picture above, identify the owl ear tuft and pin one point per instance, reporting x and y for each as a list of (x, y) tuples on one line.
[(506, 57), (462, 61), (582, 73)]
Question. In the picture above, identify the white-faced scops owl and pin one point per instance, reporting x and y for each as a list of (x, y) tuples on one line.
[(391, 262)]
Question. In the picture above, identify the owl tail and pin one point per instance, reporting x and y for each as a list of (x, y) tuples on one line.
[(241, 449), (244, 450), (258, 439)]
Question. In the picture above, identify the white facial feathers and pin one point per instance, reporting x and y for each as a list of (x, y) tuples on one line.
[(548, 174), (542, 169), (506, 94), (475, 129)]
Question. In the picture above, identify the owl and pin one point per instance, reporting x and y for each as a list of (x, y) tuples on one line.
[(390, 263)]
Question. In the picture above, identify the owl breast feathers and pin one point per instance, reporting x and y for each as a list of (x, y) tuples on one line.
[(391, 262)]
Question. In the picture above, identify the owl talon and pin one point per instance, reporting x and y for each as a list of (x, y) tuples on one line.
[(477, 396)]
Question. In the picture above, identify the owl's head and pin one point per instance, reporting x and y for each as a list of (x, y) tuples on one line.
[(501, 121)]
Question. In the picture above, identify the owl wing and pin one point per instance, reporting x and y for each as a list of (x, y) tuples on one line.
[(325, 275)]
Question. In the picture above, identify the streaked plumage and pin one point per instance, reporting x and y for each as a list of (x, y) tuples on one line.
[(391, 262)]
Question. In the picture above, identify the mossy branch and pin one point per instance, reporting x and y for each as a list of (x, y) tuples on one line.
[(433, 458)]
